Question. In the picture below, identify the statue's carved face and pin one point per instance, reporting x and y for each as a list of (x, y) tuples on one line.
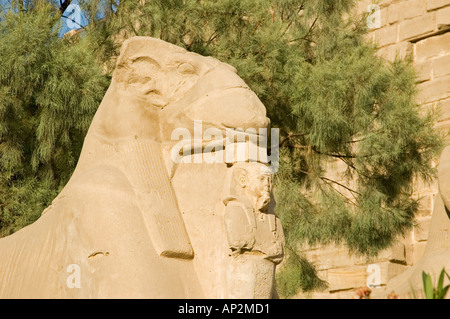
[(160, 80), (254, 180), (158, 87)]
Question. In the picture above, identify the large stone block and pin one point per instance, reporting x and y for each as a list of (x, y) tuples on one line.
[(424, 70), (357, 276), (434, 90), (400, 50), (332, 256), (433, 46), (347, 278), (443, 17), (444, 126), (406, 10), (419, 249), (426, 204), (362, 5), (402, 251), (390, 270), (441, 66), (386, 3), (383, 16), (386, 35), (434, 4), (418, 26), (444, 110), (421, 229)]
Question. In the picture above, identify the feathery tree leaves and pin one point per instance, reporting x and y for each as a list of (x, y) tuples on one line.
[(50, 89)]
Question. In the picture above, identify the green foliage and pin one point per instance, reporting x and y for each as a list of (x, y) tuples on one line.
[(49, 90), (333, 99), (298, 273), (435, 293)]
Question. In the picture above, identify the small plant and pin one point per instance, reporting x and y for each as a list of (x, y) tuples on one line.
[(392, 295), (364, 293), (435, 293)]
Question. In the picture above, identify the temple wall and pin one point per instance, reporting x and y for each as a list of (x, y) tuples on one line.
[(420, 28)]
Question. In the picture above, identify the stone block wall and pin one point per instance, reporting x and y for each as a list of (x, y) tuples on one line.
[(420, 28)]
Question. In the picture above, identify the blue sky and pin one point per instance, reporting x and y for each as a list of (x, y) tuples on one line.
[(72, 18)]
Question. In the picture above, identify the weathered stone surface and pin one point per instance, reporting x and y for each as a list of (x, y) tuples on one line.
[(421, 229), (402, 251), (434, 90), (424, 70), (443, 17), (418, 26), (401, 49), (441, 66), (425, 205), (419, 249), (405, 10), (433, 46), (331, 256), (386, 35), (357, 276), (434, 4), (444, 109), (383, 16), (347, 278)]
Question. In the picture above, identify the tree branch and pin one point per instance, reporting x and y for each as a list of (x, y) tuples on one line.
[(290, 23), (81, 26), (289, 137), (328, 181), (340, 193), (307, 33), (339, 184), (332, 154), (63, 5)]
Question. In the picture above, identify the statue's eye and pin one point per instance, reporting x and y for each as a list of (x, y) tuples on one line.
[(186, 68)]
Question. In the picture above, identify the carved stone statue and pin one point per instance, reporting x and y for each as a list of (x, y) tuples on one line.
[(132, 222), (437, 251), (255, 236)]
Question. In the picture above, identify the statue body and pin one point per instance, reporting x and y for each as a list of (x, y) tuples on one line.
[(132, 223), (437, 251), (254, 232)]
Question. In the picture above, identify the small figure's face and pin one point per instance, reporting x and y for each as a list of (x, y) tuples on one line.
[(257, 185)]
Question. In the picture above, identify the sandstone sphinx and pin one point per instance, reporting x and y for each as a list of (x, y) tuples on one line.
[(437, 251), (131, 222)]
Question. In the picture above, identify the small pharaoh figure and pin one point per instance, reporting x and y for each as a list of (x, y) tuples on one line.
[(255, 235)]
